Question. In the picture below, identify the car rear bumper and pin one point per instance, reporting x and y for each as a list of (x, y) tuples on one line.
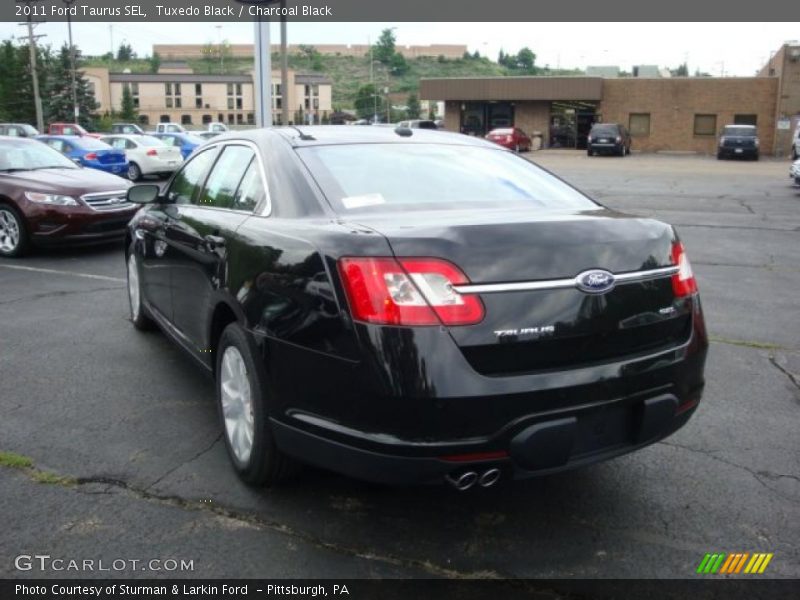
[(418, 431), (610, 147), (737, 152)]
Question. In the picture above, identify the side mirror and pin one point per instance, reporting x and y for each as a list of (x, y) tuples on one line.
[(143, 194)]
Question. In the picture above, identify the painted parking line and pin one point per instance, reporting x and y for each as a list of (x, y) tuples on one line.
[(59, 272)]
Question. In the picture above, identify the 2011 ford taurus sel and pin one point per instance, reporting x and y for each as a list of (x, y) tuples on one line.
[(413, 307)]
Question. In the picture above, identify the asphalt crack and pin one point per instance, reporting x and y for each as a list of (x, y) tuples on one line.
[(186, 462), (59, 294), (792, 377), (759, 476)]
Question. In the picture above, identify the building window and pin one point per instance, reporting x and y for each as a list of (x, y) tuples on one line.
[(639, 124), (207, 119), (745, 120), (251, 119), (240, 119), (186, 119), (230, 103), (172, 91), (239, 103), (705, 124), (164, 119), (230, 119), (198, 103), (235, 96), (144, 120), (198, 89)]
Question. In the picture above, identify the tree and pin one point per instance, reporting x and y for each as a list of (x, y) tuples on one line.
[(59, 91), (525, 60), (365, 101), (125, 52), (413, 108), (384, 48), (681, 71), (155, 62), (128, 110), (398, 65), (501, 58)]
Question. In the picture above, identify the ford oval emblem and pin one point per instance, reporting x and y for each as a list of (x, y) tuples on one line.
[(596, 281)]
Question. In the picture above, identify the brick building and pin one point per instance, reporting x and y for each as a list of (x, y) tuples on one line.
[(663, 114)]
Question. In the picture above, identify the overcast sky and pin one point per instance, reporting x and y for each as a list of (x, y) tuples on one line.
[(737, 48)]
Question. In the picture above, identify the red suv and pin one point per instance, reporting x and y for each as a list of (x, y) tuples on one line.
[(511, 138), (45, 198), (69, 129)]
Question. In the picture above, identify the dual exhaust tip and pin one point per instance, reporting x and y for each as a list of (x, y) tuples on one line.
[(467, 479)]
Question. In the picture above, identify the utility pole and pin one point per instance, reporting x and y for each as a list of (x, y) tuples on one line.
[(263, 73), (221, 53), (372, 83), (284, 70), (75, 108), (111, 37), (37, 99)]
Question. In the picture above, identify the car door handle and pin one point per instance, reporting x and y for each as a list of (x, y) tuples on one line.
[(214, 241)]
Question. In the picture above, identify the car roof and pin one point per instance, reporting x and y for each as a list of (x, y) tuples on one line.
[(324, 135), (735, 125)]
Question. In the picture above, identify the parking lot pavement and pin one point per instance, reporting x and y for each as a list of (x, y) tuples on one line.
[(131, 424)]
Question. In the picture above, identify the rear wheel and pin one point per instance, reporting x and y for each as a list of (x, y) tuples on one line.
[(13, 236), (242, 392), (589, 152), (134, 172)]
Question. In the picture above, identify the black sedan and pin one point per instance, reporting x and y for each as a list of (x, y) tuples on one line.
[(409, 306)]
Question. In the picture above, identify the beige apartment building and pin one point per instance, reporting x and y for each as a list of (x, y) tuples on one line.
[(178, 95)]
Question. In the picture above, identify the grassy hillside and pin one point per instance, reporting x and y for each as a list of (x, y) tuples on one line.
[(349, 73)]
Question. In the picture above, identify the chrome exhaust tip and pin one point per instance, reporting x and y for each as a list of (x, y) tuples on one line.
[(489, 478), (464, 481)]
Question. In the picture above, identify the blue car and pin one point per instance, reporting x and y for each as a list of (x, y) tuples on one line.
[(187, 142), (89, 152)]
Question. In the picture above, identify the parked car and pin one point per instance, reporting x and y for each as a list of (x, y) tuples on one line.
[(794, 171), (127, 129), (738, 141), (18, 130), (69, 129), (45, 198), (611, 138), (217, 127), (186, 142), (89, 152), (465, 314), (147, 155), (796, 144), (169, 128), (418, 124), (207, 135), (512, 138)]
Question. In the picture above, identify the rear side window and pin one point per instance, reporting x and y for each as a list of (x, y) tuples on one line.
[(375, 177), (224, 180), (187, 182), (251, 190)]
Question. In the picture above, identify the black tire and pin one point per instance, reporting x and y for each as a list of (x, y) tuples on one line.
[(10, 218), (140, 318), (266, 465), (134, 172), (794, 154), (719, 156), (589, 152)]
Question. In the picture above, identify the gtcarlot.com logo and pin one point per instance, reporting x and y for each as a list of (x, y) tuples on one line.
[(735, 563), (45, 562)]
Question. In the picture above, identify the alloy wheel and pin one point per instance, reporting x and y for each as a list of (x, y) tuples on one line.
[(237, 404), (9, 231)]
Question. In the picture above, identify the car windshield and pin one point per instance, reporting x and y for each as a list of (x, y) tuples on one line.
[(34, 155), (740, 131), (376, 177)]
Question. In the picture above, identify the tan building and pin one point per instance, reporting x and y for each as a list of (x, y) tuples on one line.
[(186, 51), (663, 114), (176, 94)]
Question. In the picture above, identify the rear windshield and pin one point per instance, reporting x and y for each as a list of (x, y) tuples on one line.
[(90, 143), (604, 129), (149, 140), (388, 177), (740, 131), (501, 132)]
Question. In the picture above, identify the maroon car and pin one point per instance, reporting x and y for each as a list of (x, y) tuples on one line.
[(512, 138), (45, 198)]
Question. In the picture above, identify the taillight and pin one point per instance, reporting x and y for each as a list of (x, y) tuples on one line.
[(683, 282), (619, 139), (509, 139), (91, 156), (408, 291), (152, 152)]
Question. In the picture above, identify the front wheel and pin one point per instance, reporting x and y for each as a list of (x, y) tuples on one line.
[(13, 236), (139, 317), (242, 392)]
